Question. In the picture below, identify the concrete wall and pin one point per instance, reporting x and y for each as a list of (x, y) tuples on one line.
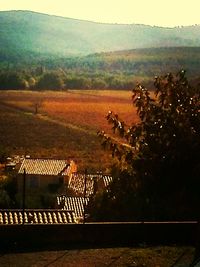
[(46, 237)]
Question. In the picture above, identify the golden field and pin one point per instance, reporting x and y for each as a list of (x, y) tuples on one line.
[(65, 125)]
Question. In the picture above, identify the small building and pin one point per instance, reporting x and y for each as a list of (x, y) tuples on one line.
[(45, 173), (82, 187)]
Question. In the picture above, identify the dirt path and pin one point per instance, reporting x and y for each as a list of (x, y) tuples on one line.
[(64, 124)]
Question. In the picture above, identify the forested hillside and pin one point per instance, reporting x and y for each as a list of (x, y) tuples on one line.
[(30, 36), (40, 51), (111, 70)]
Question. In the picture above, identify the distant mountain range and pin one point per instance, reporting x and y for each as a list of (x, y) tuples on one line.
[(26, 34)]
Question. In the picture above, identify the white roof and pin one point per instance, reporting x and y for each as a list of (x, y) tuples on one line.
[(44, 166)]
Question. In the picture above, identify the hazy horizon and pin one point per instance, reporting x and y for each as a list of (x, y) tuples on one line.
[(153, 13)]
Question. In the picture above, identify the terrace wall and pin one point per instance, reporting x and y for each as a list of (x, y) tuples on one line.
[(46, 237)]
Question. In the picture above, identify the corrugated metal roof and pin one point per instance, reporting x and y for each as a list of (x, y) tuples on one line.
[(43, 166), (38, 216)]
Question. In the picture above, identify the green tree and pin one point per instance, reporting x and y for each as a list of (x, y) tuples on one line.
[(50, 81), (8, 190), (157, 176), (78, 83), (99, 83), (32, 82), (12, 80)]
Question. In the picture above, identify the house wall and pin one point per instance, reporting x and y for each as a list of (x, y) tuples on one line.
[(38, 181), (72, 169)]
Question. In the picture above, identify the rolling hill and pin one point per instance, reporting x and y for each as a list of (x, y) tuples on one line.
[(29, 35), (131, 65)]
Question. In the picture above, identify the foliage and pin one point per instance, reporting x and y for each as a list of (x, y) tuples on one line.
[(88, 64), (3, 154), (12, 80), (77, 83), (5, 201), (50, 81), (114, 70), (158, 157), (8, 190)]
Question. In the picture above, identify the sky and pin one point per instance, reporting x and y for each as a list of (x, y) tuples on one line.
[(168, 13)]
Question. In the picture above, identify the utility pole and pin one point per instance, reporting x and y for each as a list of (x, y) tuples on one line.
[(24, 195), (85, 192)]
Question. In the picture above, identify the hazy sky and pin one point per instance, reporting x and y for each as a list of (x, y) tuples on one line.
[(152, 12)]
